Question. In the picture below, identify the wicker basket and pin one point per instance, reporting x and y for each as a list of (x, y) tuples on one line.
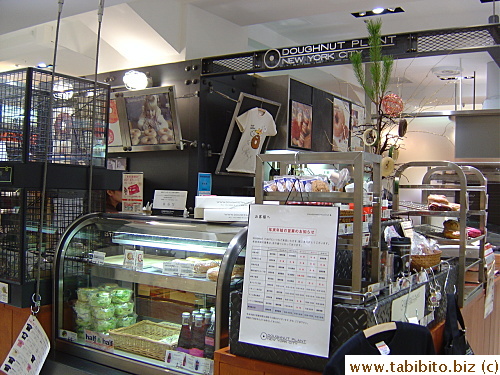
[(419, 262), (147, 338)]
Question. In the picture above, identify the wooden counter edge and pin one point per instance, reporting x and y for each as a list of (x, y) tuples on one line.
[(267, 368)]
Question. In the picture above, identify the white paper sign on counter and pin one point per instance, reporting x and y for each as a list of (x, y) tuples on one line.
[(288, 285), (30, 350), (170, 199)]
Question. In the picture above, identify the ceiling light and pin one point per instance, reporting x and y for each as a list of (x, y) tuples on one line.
[(377, 12), (135, 80), (43, 65)]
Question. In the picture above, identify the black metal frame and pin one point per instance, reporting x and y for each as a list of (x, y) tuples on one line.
[(406, 45)]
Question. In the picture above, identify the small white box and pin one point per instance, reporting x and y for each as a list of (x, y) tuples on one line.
[(226, 214), (221, 201)]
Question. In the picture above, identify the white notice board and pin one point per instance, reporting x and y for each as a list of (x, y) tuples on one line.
[(288, 285)]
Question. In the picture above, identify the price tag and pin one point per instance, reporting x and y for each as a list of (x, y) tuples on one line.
[(170, 268), (383, 348), (170, 199), (29, 350), (68, 335), (204, 183), (407, 227), (99, 341), (188, 362), (133, 259), (4, 292), (98, 257)]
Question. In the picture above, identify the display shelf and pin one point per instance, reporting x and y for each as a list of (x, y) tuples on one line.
[(99, 252), (166, 243), (357, 163), (436, 233), (333, 197), (419, 209), (155, 277), (450, 187), (465, 179), (471, 291)]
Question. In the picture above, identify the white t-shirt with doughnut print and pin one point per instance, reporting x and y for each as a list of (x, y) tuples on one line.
[(255, 124)]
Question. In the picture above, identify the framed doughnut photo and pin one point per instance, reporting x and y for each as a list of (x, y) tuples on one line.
[(341, 120), (300, 130), (148, 119)]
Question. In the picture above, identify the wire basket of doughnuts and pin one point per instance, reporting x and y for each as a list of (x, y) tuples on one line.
[(419, 262)]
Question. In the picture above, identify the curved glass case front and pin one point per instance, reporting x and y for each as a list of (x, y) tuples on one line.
[(124, 282)]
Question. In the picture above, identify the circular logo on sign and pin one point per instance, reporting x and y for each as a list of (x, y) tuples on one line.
[(272, 58)]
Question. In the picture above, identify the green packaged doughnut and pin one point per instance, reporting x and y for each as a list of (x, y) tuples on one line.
[(104, 325), (108, 287), (100, 298), (125, 321), (83, 293), (119, 295), (82, 309), (103, 312), (83, 321), (124, 308)]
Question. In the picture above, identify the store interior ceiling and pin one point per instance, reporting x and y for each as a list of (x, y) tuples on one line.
[(139, 33)]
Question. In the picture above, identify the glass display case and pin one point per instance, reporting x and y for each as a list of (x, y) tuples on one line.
[(146, 294)]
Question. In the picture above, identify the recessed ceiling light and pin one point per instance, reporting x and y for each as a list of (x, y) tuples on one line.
[(377, 11)]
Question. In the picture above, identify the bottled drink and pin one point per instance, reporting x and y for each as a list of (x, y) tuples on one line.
[(207, 321), (210, 339), (197, 337), (184, 344)]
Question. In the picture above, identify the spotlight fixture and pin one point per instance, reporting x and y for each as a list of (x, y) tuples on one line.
[(377, 12), (43, 65), (135, 80)]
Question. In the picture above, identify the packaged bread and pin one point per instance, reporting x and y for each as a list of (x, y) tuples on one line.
[(434, 206), (451, 234), (238, 271), (451, 225), (202, 266), (213, 273), (436, 198)]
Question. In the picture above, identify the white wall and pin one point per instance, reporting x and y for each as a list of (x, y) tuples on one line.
[(428, 139), (209, 35)]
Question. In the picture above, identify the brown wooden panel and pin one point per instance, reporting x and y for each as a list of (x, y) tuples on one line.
[(226, 369), (231, 361), (6, 338)]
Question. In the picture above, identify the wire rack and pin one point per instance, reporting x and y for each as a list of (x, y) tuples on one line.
[(59, 119), (19, 228)]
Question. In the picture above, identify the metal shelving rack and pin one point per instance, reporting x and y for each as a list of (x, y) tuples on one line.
[(358, 163), (54, 124), (448, 178)]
